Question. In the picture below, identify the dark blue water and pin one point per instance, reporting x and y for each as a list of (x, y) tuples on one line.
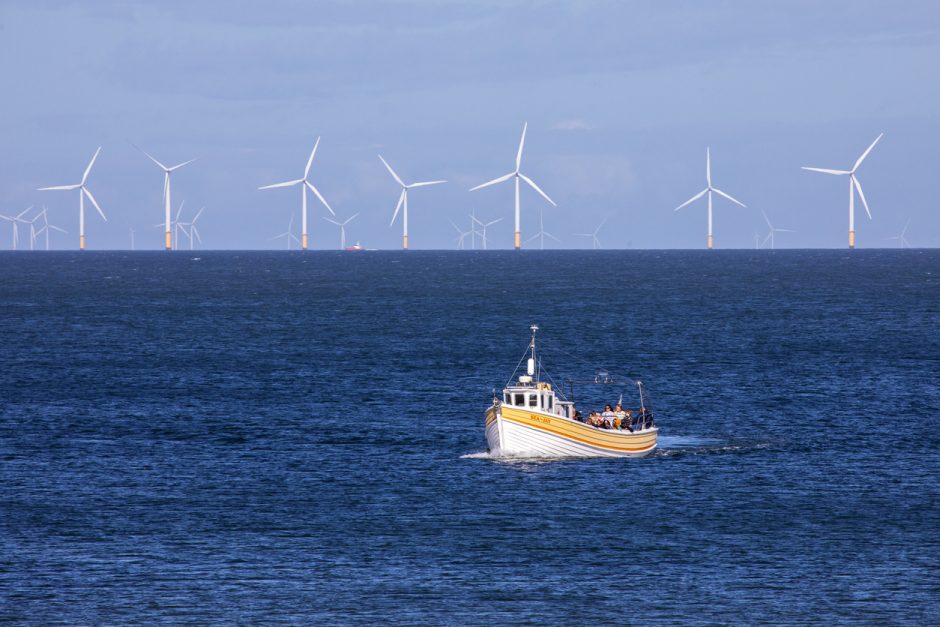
[(238, 437)]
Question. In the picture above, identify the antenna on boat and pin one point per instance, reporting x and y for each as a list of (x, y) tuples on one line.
[(530, 370), (639, 384)]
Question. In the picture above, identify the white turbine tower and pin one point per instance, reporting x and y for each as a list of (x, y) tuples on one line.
[(133, 246), (770, 233), (542, 234), (403, 200), (853, 186), (342, 229), (167, 170), (304, 184), (517, 238), (902, 239), (708, 190), (483, 227), (595, 243), (176, 226), (288, 234), (83, 191), (16, 221)]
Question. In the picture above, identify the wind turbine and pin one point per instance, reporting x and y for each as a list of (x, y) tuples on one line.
[(83, 191), (167, 170), (403, 200), (15, 221), (483, 227), (461, 235), (288, 234), (517, 239), (770, 234), (902, 240), (193, 231), (708, 190), (542, 234), (853, 185), (304, 184), (133, 247), (342, 229), (46, 227), (595, 243)]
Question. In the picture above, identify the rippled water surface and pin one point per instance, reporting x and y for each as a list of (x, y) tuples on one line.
[(242, 437)]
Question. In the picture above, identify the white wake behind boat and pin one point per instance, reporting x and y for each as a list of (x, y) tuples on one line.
[(533, 418)]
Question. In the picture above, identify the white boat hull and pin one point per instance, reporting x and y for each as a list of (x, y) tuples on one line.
[(520, 432)]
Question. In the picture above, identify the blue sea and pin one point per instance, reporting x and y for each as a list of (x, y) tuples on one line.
[(241, 437)]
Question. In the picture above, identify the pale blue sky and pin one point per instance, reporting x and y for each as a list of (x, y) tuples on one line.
[(621, 99)]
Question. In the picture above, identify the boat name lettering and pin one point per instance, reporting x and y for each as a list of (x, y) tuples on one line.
[(541, 419)]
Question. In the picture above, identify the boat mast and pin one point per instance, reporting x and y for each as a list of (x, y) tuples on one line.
[(532, 363)]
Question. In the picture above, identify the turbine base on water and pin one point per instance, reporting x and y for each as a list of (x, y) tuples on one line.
[(304, 241), (81, 242), (404, 242), (851, 239), (710, 242), (518, 240), (168, 240)]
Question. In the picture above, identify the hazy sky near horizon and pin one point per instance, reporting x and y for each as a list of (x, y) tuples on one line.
[(621, 98)]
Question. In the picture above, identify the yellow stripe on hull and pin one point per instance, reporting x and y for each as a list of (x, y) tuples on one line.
[(518, 430)]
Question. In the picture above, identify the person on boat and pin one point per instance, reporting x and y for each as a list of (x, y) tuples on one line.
[(609, 416), (623, 418)]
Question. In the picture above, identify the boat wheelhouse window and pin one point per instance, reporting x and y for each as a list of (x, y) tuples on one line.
[(533, 402), (542, 401), (549, 402), (520, 400), (507, 399)]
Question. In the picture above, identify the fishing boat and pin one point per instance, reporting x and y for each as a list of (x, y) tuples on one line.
[(354, 248), (535, 418)]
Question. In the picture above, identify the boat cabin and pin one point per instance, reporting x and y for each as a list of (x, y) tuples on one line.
[(537, 397)]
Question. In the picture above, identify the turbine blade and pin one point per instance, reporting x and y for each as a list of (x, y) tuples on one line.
[(401, 199), (149, 156), (55, 228), (691, 200), (521, 143), (198, 213), (547, 234), (424, 184), (310, 160), (179, 211), (90, 163), (721, 193), (46, 189), (494, 181), (708, 166), (536, 188), (284, 184), (94, 202), (392, 172), (332, 221), (351, 218), (825, 170), (320, 196), (861, 195), (180, 165), (865, 154), (766, 219)]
